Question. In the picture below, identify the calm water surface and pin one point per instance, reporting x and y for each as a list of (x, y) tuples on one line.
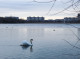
[(51, 41)]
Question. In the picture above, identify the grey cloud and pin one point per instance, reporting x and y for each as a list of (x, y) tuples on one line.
[(24, 6)]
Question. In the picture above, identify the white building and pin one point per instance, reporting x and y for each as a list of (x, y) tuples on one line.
[(35, 18)]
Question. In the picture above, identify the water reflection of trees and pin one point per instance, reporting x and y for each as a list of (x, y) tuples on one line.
[(79, 32), (75, 45)]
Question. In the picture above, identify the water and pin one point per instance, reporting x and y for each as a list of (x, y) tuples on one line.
[(50, 41)]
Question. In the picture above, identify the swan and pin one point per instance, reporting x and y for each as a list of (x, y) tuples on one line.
[(25, 43)]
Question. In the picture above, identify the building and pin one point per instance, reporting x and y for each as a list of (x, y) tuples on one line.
[(58, 20), (11, 17), (78, 16), (35, 18), (70, 19)]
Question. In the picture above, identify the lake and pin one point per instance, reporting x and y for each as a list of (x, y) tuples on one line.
[(50, 41)]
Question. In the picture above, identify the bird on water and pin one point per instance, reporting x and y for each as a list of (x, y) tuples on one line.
[(25, 43)]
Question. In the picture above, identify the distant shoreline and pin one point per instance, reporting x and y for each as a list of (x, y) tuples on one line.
[(39, 23)]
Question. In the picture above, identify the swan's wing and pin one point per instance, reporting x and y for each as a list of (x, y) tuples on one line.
[(26, 43)]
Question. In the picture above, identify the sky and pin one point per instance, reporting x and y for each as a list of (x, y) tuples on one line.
[(50, 9)]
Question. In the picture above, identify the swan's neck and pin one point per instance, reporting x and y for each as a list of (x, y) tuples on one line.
[(31, 41)]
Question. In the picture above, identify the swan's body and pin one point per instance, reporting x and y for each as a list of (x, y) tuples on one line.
[(25, 43)]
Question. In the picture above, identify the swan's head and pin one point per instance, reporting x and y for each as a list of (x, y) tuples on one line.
[(31, 40)]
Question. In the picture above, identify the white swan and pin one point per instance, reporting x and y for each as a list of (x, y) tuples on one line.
[(25, 43)]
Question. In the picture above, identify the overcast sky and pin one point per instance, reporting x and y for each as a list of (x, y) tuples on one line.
[(25, 8)]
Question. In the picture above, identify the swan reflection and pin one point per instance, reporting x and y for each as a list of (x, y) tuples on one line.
[(26, 47), (31, 49)]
